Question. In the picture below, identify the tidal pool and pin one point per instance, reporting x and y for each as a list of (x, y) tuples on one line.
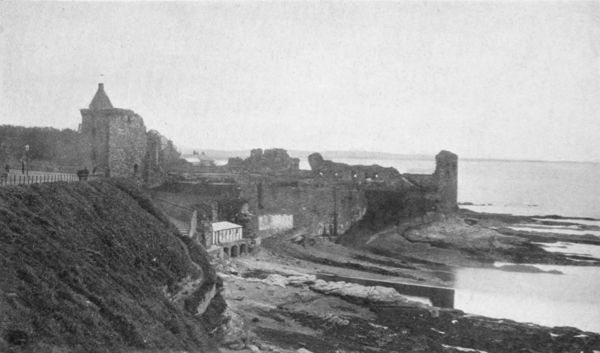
[(570, 299)]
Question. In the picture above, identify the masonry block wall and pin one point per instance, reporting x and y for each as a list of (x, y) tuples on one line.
[(94, 128), (313, 206), (441, 187), (116, 143), (446, 179), (269, 224), (127, 145), (334, 171)]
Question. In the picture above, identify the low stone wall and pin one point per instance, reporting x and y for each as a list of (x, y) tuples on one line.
[(268, 224)]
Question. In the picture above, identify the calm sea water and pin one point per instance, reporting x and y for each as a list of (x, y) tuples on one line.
[(570, 299)]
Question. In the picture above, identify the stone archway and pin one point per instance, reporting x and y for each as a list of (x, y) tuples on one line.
[(234, 251), (226, 251), (243, 249)]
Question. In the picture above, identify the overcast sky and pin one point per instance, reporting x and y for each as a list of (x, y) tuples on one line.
[(483, 79)]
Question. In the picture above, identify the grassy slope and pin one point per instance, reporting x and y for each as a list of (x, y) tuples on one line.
[(85, 267)]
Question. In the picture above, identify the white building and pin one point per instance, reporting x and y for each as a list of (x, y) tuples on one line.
[(225, 232)]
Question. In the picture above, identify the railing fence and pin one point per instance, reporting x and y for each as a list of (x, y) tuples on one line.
[(19, 179)]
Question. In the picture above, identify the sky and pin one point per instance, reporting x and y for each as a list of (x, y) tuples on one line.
[(493, 79)]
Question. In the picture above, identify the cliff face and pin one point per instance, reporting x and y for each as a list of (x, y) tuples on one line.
[(95, 267)]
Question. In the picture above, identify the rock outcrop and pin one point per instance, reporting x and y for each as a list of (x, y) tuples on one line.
[(94, 267)]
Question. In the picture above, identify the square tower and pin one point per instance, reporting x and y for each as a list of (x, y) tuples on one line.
[(116, 138)]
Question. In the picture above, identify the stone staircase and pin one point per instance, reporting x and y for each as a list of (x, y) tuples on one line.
[(182, 227)]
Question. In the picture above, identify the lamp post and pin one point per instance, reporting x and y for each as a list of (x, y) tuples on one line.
[(26, 160)]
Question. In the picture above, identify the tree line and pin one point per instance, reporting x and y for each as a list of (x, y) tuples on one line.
[(49, 148)]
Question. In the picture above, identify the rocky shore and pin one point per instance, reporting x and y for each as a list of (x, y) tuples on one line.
[(291, 311), (278, 304)]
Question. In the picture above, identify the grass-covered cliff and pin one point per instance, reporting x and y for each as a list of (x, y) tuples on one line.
[(94, 267)]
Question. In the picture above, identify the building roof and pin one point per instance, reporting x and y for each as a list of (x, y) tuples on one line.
[(100, 100), (217, 226)]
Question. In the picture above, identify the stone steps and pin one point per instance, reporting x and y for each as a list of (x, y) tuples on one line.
[(182, 227)]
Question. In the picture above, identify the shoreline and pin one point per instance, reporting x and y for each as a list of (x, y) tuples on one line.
[(283, 312)]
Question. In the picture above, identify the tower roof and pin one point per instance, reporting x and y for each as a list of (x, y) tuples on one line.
[(100, 100)]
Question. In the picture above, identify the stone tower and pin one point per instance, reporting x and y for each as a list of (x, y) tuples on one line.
[(116, 138), (446, 179)]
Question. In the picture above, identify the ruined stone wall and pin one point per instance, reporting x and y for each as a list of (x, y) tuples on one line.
[(153, 149), (269, 224), (318, 203), (95, 129), (117, 144), (446, 179), (192, 192), (312, 205), (127, 145), (333, 171), (275, 160), (116, 141), (442, 185), (157, 158)]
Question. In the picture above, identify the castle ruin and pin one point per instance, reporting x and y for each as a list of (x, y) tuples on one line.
[(117, 144)]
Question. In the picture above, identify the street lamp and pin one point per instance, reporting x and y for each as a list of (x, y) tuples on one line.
[(27, 160)]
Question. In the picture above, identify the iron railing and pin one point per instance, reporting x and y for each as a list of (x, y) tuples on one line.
[(20, 179)]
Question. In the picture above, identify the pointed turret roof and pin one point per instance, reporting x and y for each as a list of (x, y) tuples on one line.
[(100, 100)]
